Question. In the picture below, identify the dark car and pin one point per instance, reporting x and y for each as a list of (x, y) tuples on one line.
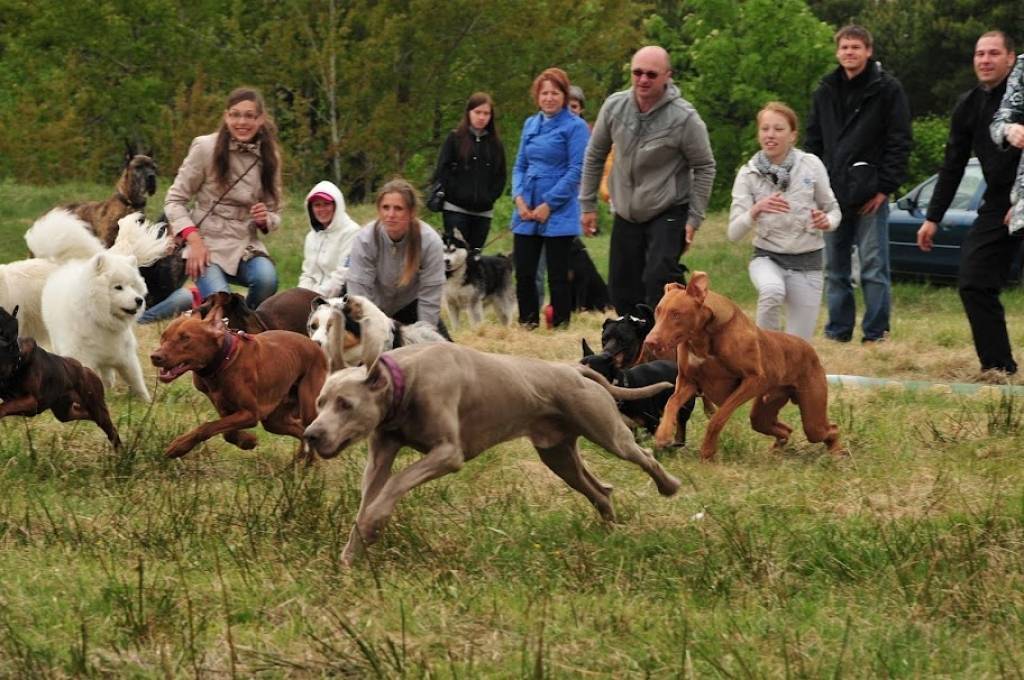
[(907, 214)]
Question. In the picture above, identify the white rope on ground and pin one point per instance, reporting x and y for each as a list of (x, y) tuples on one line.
[(923, 385)]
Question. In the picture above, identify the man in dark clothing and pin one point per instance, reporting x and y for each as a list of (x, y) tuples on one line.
[(989, 249), (859, 125)]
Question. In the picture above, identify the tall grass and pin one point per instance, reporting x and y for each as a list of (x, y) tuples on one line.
[(904, 559)]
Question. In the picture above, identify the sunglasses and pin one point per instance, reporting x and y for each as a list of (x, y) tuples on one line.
[(639, 72)]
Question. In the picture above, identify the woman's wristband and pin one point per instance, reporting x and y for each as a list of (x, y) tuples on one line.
[(186, 232)]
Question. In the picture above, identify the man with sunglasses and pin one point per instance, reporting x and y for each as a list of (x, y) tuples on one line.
[(661, 180)]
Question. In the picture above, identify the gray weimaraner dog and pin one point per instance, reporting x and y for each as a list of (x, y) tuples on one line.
[(451, 403)]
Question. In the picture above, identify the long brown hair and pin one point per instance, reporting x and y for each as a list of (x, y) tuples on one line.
[(462, 133), (414, 247), (270, 157)]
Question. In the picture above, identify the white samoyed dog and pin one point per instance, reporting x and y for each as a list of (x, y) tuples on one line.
[(89, 306), (62, 237)]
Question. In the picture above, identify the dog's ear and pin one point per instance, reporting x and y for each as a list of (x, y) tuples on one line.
[(100, 262), (315, 303), (645, 312), (587, 352), (375, 378), (673, 286), (129, 152), (698, 288), (14, 312)]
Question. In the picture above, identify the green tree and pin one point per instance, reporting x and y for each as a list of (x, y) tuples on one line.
[(742, 55)]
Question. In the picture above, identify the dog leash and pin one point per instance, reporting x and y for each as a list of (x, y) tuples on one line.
[(228, 190)]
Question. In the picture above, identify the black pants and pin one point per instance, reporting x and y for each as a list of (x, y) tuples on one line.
[(472, 227), (410, 314), (644, 256), (526, 255), (985, 260)]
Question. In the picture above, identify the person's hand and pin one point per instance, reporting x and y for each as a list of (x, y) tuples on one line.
[(589, 222), (775, 203), (819, 219), (690, 233), (926, 236), (525, 214), (872, 206), (259, 215), (1015, 135), (198, 256), (542, 212)]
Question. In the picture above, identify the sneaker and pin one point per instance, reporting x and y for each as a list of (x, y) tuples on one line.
[(549, 315), (838, 338), (871, 341)]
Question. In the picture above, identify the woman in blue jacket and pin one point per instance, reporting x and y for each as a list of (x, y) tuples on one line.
[(545, 186)]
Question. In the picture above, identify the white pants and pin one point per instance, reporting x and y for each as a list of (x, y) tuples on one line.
[(798, 291)]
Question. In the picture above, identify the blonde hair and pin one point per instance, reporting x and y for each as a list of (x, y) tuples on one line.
[(784, 111), (414, 248)]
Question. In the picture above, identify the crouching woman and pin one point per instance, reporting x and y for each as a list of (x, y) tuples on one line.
[(784, 195), (397, 260)]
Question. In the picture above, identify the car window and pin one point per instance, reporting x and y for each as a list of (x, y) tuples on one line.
[(968, 187), (924, 196)]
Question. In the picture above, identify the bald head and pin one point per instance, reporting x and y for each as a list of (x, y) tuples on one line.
[(653, 55), (651, 69)]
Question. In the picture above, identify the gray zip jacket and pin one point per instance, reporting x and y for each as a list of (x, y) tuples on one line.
[(663, 158)]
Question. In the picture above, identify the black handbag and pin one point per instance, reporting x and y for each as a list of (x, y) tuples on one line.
[(435, 196)]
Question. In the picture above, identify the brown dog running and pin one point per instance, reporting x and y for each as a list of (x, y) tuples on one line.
[(33, 380), (272, 378), (724, 356)]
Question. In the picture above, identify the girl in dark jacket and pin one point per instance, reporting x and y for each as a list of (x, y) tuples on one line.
[(471, 168)]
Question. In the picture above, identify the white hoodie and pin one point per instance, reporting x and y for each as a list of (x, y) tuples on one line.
[(325, 255)]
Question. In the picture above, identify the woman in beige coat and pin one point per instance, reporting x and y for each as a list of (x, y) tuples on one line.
[(785, 196), (232, 179)]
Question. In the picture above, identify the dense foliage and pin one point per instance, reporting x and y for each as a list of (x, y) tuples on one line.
[(364, 89)]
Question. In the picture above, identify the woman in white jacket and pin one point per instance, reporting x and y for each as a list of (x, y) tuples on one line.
[(785, 194), (329, 241)]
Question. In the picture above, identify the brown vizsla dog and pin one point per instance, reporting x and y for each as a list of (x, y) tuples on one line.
[(272, 378), (724, 356)]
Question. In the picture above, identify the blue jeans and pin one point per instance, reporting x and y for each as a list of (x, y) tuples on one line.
[(257, 274), (870, 233), (174, 304)]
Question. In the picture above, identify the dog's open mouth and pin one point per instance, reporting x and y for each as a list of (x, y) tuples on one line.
[(170, 374), (130, 311)]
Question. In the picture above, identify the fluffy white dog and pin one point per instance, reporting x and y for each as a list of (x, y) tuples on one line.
[(89, 306), (62, 237)]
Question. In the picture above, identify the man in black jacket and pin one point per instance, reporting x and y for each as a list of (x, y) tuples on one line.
[(860, 127), (988, 251)]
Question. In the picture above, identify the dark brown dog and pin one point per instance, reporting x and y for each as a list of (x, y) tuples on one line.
[(724, 356), (32, 380), (135, 185), (286, 311), (272, 378)]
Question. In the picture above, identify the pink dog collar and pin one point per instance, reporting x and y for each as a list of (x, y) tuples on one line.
[(397, 383)]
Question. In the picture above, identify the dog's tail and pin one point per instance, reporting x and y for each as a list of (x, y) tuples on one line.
[(624, 393), (60, 235), (137, 236)]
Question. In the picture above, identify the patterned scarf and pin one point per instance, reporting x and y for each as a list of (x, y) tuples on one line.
[(1011, 110), (777, 174)]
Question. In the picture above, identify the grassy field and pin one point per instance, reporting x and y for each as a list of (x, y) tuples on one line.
[(905, 559)]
